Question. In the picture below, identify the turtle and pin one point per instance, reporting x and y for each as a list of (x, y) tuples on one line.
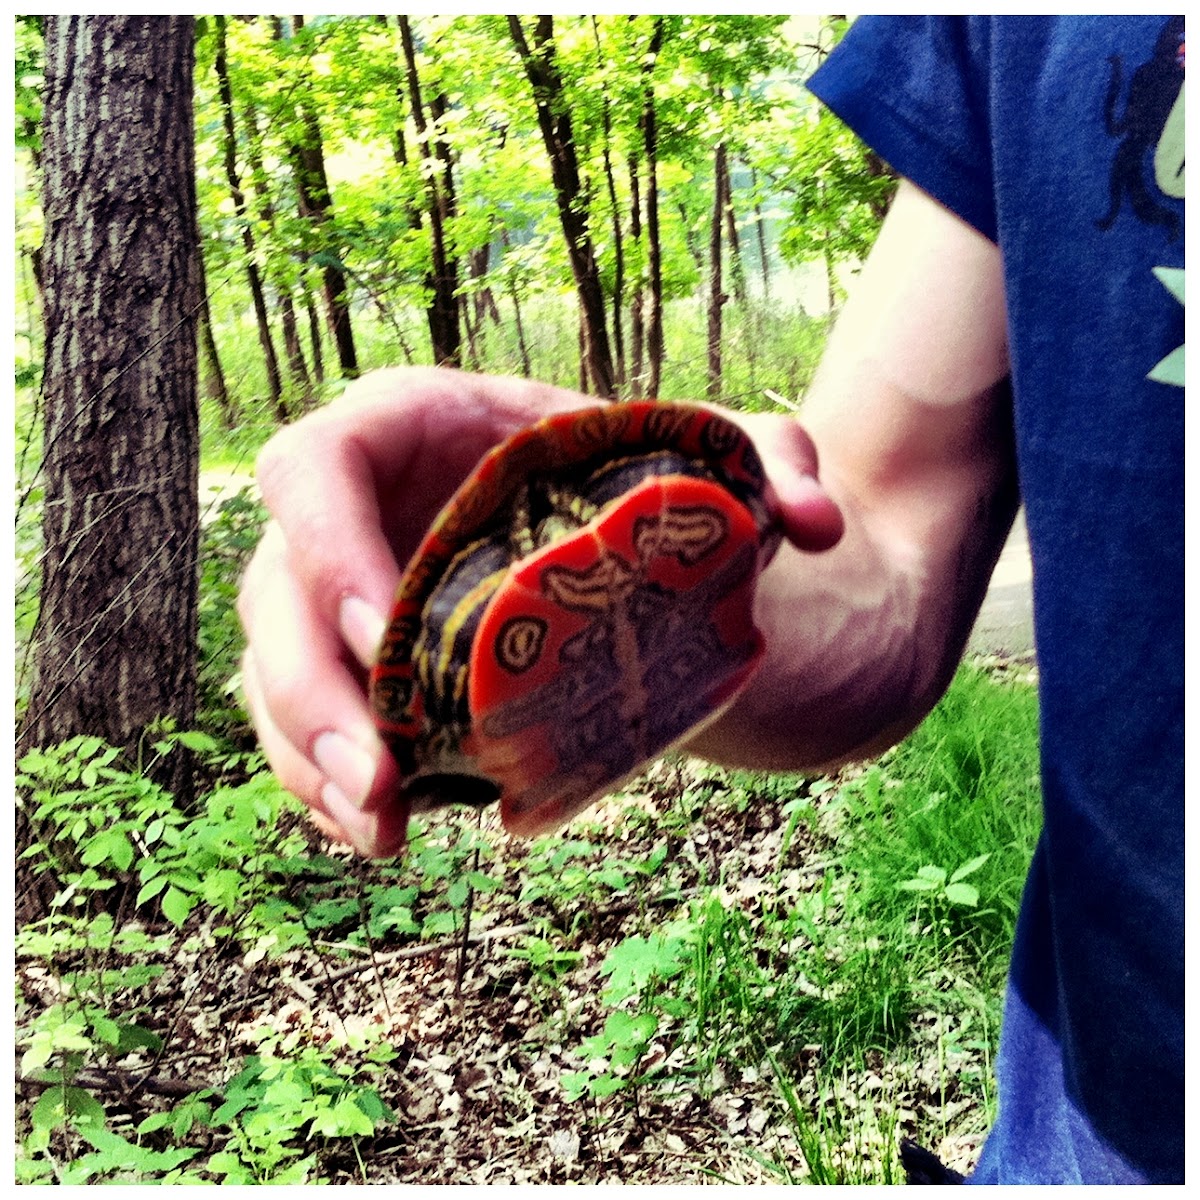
[(582, 604)]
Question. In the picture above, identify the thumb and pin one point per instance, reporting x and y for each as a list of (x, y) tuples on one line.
[(810, 518)]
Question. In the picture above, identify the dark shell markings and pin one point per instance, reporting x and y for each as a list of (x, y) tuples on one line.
[(583, 603)]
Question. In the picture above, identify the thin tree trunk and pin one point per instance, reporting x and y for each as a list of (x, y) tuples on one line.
[(618, 296), (761, 231), (116, 633), (314, 337), (229, 154), (637, 319), (654, 320), (292, 346), (444, 331), (716, 293), (316, 205), (554, 120), (515, 296), (214, 376), (736, 269)]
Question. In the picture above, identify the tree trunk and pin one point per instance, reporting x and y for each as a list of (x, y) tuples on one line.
[(554, 120), (654, 319), (618, 296), (116, 632), (276, 270), (214, 376), (637, 305), (314, 337), (514, 294), (716, 293), (316, 205), (761, 231), (229, 149), (736, 269), (444, 330)]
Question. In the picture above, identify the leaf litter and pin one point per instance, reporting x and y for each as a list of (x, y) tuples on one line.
[(476, 1077)]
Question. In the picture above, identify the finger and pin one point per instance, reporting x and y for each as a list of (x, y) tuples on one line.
[(811, 518), (378, 830), (306, 684), (355, 486), (295, 772), (328, 531)]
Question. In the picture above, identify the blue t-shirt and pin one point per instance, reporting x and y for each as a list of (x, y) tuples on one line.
[(1061, 139)]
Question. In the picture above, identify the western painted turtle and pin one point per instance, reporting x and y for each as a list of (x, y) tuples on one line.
[(583, 603)]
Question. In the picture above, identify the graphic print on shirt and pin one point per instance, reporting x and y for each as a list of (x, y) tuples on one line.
[(1149, 160), (1152, 122)]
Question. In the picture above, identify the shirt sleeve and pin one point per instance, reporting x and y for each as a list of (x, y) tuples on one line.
[(915, 89)]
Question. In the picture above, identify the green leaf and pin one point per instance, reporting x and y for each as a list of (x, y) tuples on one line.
[(962, 893), (193, 739), (137, 1037), (346, 1119), (919, 885), (177, 906), (605, 1085), (151, 889), (632, 964), (106, 1029), (969, 868), (55, 1105)]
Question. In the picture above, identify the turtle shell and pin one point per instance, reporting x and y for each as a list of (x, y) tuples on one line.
[(582, 603)]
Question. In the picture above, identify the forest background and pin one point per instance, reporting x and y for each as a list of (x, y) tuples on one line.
[(220, 222)]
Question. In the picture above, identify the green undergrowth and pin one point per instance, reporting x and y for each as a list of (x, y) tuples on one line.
[(811, 968)]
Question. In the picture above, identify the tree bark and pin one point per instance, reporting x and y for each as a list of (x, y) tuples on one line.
[(554, 120), (276, 271), (761, 232), (514, 294), (214, 376), (654, 318), (115, 641), (736, 268), (716, 292), (618, 291), (637, 302), (444, 330), (229, 154), (316, 206)]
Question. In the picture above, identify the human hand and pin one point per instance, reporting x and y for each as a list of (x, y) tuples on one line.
[(352, 490)]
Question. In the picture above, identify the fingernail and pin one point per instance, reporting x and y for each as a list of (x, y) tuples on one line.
[(355, 827), (362, 627), (346, 765)]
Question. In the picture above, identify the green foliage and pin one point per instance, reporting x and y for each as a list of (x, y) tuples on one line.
[(284, 1097), (959, 800), (838, 193), (933, 880), (28, 65), (195, 884), (227, 540), (104, 825), (875, 938)]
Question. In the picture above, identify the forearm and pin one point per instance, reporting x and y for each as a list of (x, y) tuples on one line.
[(910, 415), (861, 639)]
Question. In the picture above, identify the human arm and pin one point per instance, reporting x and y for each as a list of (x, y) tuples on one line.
[(911, 419), (859, 641)]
